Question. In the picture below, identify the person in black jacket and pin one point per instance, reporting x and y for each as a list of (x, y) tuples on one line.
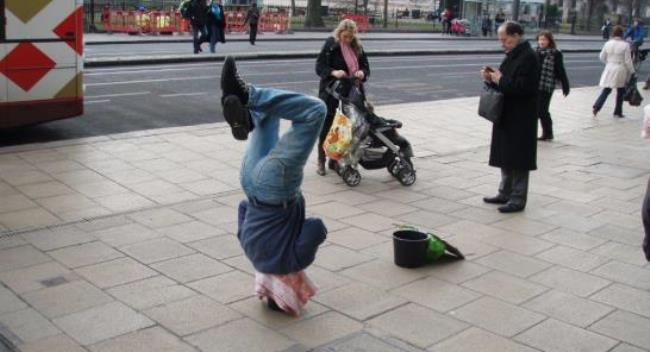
[(198, 20), (551, 70), (216, 24), (252, 16), (514, 137), (341, 56)]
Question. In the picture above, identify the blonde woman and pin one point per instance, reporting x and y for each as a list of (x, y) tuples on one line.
[(341, 56)]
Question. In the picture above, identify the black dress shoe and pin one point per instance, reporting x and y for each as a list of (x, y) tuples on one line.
[(511, 208), (231, 83), (237, 116), (620, 116), (496, 200), (321, 169), (545, 138)]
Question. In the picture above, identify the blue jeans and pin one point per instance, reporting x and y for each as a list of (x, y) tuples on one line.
[(620, 93), (272, 169)]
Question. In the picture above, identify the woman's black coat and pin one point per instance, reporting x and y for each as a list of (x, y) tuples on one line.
[(211, 19), (560, 72), (514, 138), (331, 59)]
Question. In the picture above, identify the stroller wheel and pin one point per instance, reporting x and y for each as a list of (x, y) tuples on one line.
[(351, 177), (393, 167), (406, 176)]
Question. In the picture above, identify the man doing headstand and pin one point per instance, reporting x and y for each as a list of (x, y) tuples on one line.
[(273, 230)]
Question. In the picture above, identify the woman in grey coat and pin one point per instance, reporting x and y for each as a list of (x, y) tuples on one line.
[(514, 137)]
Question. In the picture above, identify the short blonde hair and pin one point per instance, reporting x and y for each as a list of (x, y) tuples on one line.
[(349, 26)]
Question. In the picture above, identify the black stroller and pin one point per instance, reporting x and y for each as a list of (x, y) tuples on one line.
[(375, 143)]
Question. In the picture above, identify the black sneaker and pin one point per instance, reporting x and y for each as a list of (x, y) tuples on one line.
[(231, 83), (237, 116)]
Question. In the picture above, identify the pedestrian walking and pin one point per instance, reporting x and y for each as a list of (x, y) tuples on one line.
[(198, 11), (272, 228), (447, 17), (635, 34), (514, 146), (551, 71), (252, 16), (606, 29), (617, 57), (216, 24), (486, 26), (499, 19), (342, 55)]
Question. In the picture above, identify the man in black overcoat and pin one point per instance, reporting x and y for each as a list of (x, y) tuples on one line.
[(514, 138)]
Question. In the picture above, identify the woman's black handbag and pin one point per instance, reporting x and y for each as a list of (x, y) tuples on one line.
[(490, 105), (632, 94)]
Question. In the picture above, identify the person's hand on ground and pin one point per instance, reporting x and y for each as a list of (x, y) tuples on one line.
[(338, 73)]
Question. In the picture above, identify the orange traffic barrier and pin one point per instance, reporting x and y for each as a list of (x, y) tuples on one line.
[(163, 22), (274, 22), (123, 21), (362, 21), (172, 22)]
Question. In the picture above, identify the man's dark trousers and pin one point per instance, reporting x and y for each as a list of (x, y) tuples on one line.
[(200, 33), (253, 33), (514, 186)]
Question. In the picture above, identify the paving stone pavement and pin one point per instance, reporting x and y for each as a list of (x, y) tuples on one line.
[(126, 243)]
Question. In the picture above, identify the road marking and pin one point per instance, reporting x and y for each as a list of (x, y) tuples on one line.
[(152, 81), (182, 94), (96, 101), (251, 64), (117, 95), (281, 84)]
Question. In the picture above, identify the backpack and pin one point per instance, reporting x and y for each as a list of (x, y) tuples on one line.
[(184, 8)]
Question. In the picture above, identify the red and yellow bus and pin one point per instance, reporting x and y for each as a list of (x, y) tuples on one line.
[(41, 61)]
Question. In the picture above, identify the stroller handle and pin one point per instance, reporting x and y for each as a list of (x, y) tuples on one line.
[(334, 87)]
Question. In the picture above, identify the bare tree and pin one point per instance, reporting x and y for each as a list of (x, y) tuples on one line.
[(293, 7), (385, 13), (630, 9), (314, 18), (637, 8), (590, 11)]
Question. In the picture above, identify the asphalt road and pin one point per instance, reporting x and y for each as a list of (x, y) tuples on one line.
[(125, 99), (157, 49)]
